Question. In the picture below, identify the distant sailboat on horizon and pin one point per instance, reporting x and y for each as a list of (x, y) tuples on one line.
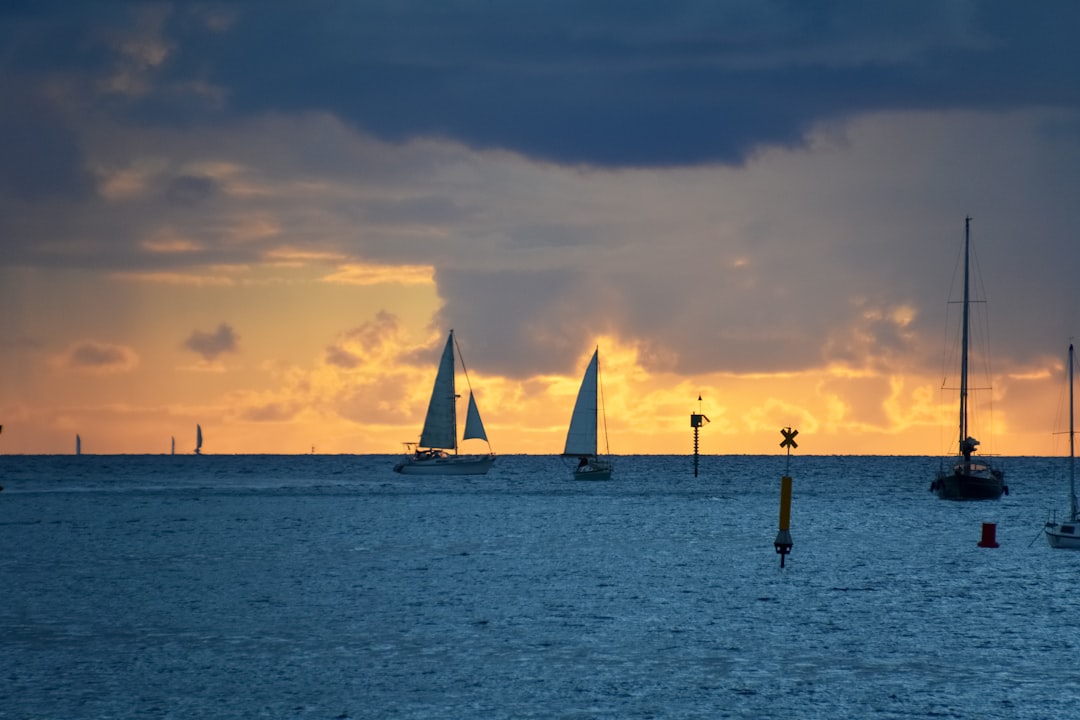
[(198, 439), (172, 450), (78, 444)]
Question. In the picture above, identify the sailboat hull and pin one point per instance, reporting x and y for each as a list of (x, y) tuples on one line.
[(1065, 536), (446, 465), (969, 485), (595, 468)]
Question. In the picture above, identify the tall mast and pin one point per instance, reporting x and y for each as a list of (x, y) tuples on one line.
[(964, 347), (600, 397), (453, 386), (1072, 436)]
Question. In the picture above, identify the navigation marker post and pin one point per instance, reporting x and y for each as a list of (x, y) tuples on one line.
[(696, 421), (783, 542)]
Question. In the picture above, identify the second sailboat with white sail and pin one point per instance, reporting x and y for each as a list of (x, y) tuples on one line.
[(587, 422)]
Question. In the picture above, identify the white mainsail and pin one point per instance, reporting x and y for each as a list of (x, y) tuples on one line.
[(440, 425), (581, 436)]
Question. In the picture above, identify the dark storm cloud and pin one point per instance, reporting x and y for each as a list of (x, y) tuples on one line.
[(543, 319), (548, 319), (641, 83), (608, 83)]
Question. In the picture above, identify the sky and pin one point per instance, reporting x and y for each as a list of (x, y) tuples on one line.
[(265, 217)]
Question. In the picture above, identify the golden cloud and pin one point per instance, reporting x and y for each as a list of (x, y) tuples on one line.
[(367, 274), (170, 245), (175, 278)]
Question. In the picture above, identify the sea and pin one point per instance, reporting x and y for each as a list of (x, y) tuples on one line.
[(327, 586)]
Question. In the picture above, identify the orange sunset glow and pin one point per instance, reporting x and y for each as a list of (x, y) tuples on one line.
[(309, 362)]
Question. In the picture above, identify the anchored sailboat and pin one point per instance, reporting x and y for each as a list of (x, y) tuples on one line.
[(968, 479), (581, 436), (430, 456), (1066, 534)]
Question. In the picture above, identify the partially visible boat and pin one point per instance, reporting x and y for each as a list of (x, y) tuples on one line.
[(78, 444), (967, 478), (1066, 534), (432, 456), (587, 422), (198, 439)]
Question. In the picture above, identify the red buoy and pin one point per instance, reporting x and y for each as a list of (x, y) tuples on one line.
[(989, 532)]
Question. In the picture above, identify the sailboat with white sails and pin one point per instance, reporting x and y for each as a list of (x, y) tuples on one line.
[(1066, 534), (430, 456), (968, 479), (586, 423)]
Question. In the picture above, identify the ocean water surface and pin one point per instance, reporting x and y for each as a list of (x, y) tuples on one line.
[(330, 587)]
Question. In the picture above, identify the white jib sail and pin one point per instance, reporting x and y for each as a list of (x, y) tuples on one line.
[(474, 426)]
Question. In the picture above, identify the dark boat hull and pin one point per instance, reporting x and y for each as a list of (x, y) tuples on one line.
[(446, 465), (594, 468), (966, 486)]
